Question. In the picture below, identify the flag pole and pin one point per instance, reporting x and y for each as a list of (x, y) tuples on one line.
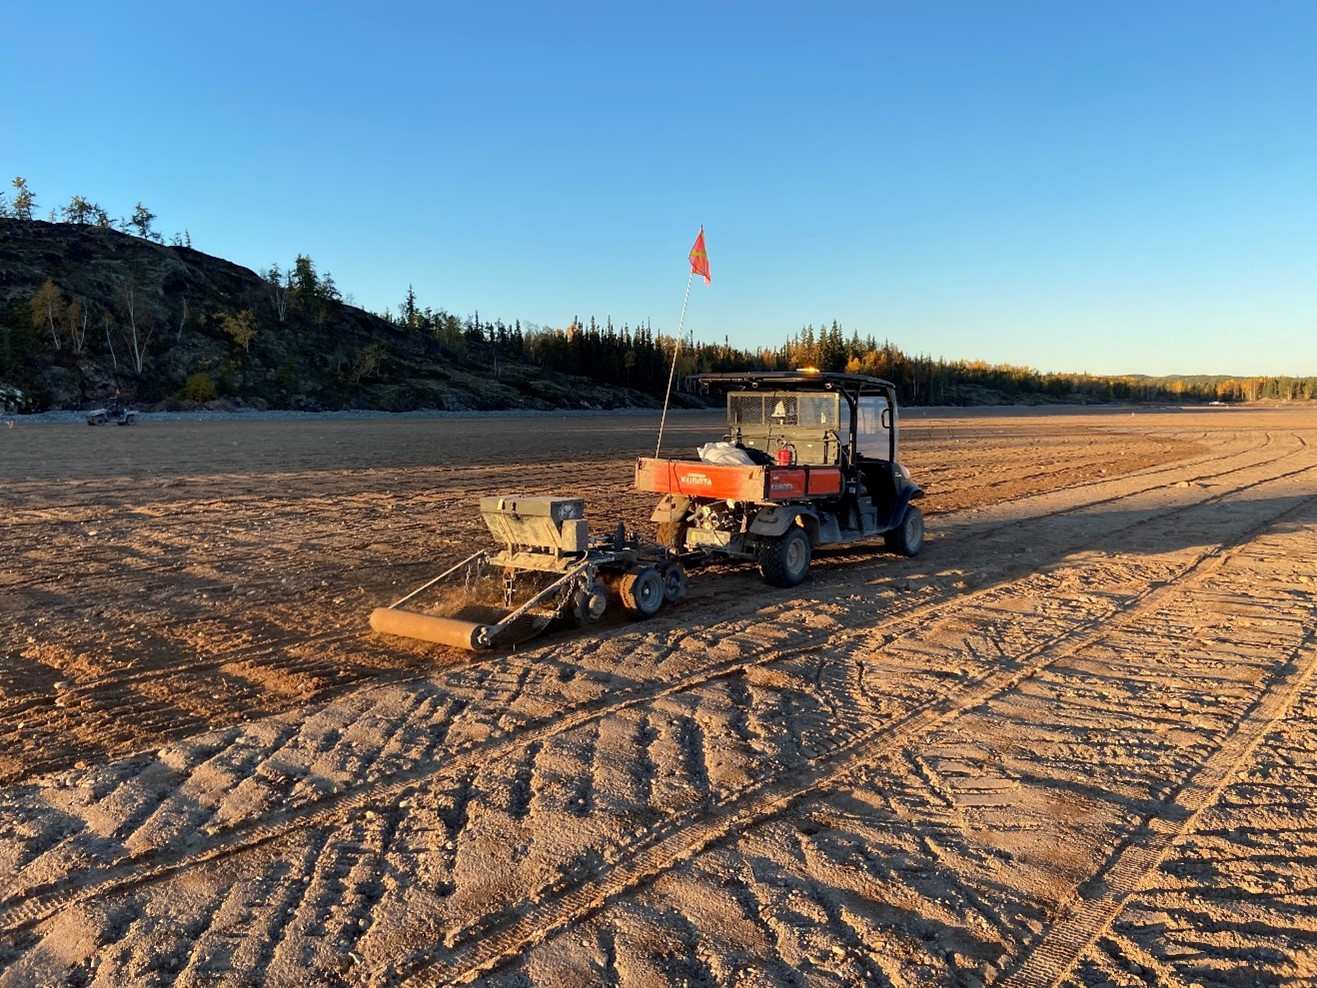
[(676, 346)]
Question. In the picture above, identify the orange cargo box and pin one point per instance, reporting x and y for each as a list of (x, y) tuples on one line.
[(734, 482)]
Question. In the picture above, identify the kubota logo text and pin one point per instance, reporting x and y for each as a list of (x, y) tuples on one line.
[(695, 479)]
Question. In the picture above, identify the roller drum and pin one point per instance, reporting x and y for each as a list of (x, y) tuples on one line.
[(426, 627)]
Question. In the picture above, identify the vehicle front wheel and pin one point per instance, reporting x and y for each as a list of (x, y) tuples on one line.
[(908, 537), (784, 560)]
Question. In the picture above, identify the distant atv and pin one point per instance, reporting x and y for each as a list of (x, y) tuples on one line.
[(809, 459), (116, 411)]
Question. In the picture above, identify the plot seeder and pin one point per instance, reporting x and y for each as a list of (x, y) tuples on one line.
[(550, 567)]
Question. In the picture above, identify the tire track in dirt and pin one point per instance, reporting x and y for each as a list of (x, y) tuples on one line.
[(1158, 589), (1067, 727), (395, 792), (484, 944), (1233, 900), (1055, 955), (686, 945), (984, 913), (839, 564), (945, 479), (102, 684), (378, 793), (37, 904), (327, 810), (1222, 898), (156, 626), (115, 714)]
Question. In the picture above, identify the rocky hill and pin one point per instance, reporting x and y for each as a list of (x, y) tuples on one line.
[(86, 311)]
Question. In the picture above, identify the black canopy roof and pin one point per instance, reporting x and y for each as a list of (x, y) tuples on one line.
[(853, 385)]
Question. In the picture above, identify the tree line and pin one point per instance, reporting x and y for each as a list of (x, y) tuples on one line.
[(923, 380), (630, 356), (639, 358)]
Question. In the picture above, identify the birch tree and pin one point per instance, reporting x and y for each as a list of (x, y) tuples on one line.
[(76, 321), (280, 286), (139, 327), (241, 327), (109, 343), (182, 321), (47, 307)]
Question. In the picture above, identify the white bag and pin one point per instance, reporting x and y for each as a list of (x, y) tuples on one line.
[(724, 453)]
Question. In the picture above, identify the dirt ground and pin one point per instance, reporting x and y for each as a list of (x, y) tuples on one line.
[(1074, 742)]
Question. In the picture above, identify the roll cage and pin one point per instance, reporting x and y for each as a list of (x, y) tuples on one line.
[(866, 411)]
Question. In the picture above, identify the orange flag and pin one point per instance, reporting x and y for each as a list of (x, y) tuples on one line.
[(700, 258)]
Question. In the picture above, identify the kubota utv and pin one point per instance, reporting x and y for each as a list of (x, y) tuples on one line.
[(809, 459)]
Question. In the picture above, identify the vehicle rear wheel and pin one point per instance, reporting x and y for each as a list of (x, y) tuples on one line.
[(642, 591), (908, 537), (784, 560), (671, 534)]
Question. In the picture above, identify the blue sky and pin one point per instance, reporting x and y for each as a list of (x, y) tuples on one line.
[(1111, 188)]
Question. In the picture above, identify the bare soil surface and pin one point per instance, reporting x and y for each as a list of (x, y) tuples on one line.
[(1074, 742)]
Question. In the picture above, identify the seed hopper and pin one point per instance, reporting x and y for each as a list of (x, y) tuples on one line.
[(549, 568)]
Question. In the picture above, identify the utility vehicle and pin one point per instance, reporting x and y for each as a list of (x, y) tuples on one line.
[(117, 411), (809, 459)]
